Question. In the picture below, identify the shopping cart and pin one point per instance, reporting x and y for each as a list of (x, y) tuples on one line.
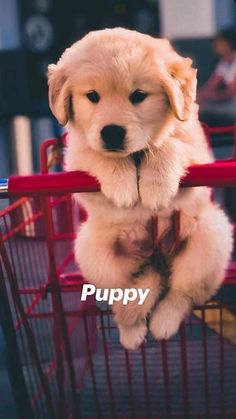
[(221, 136), (65, 360)]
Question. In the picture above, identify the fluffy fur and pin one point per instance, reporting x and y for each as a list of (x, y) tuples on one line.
[(113, 247)]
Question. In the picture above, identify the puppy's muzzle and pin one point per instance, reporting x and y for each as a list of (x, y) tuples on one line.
[(113, 137)]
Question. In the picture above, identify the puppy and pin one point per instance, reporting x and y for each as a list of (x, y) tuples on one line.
[(128, 103)]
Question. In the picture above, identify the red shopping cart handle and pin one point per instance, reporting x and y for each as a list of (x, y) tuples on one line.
[(217, 174)]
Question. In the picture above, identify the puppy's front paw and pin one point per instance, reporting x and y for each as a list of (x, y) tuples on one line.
[(165, 321), (133, 336), (156, 196), (121, 193)]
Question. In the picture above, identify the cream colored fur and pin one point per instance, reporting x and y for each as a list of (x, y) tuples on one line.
[(116, 62)]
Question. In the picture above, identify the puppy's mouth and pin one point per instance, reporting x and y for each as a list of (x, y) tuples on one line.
[(115, 152), (135, 155)]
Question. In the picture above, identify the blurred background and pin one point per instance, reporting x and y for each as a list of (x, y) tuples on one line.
[(34, 33)]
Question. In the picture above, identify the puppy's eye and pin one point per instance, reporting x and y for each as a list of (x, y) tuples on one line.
[(137, 96), (93, 96)]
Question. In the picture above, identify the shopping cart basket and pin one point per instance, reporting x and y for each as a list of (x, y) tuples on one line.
[(65, 360)]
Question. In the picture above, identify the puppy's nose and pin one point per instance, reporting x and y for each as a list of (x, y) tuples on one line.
[(113, 137)]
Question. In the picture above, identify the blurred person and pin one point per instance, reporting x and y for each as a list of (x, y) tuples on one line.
[(217, 98)]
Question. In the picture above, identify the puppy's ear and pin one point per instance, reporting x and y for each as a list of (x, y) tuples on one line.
[(60, 99), (180, 84)]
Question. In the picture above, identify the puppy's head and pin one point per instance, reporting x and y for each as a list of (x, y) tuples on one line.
[(119, 88)]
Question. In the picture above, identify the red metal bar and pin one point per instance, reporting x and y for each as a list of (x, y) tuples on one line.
[(217, 174), (60, 326), (205, 359), (30, 336), (108, 371), (130, 387), (227, 129), (44, 147), (52, 184), (20, 226), (166, 375), (91, 365), (17, 379), (183, 357), (219, 131), (234, 141), (29, 309), (79, 312), (145, 382), (52, 368), (43, 153), (13, 206)]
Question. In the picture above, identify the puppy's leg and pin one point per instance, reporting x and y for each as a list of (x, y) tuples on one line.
[(131, 318), (132, 337), (118, 180), (97, 257), (197, 272), (160, 174), (117, 176)]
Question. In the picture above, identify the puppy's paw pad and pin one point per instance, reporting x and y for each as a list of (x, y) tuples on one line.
[(165, 322), (132, 337)]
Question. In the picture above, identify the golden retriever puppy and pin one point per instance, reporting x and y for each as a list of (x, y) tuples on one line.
[(128, 103)]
